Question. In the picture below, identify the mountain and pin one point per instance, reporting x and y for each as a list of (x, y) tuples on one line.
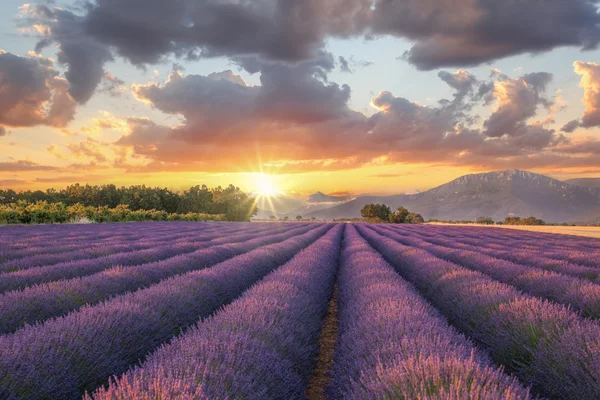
[(593, 183), (320, 197), (278, 205), (494, 194), (317, 202)]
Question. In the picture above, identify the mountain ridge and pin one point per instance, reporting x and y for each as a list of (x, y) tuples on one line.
[(496, 194)]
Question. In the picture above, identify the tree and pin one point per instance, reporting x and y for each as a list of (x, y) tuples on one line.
[(484, 221), (233, 203), (272, 218), (313, 219), (524, 221), (399, 217), (286, 218), (413, 218), (378, 212), (298, 217)]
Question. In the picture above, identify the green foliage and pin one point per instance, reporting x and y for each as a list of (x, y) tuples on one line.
[(134, 203), (376, 212), (523, 221), (43, 212), (413, 218), (399, 217), (298, 217), (484, 221)]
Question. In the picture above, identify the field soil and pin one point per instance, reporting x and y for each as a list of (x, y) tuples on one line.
[(587, 231)]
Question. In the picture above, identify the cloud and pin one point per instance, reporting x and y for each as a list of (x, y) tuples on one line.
[(32, 94), (518, 100), (461, 81), (590, 82), (445, 33), (112, 85), (145, 32), (344, 66), (297, 120), (90, 149), (24, 166), (11, 182), (71, 178), (3, 131), (83, 55), (471, 32), (571, 126), (385, 176)]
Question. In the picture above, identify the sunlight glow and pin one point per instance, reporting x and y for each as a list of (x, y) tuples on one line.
[(265, 185)]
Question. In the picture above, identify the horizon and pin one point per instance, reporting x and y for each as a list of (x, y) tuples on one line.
[(365, 105), (268, 194)]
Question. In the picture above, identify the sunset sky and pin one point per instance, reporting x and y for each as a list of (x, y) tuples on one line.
[(341, 96)]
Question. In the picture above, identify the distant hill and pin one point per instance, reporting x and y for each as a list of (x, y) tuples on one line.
[(317, 202), (494, 194), (277, 206), (281, 206), (320, 197), (593, 183)]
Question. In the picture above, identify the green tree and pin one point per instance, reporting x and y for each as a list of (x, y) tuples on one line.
[(399, 217), (298, 217), (379, 212), (414, 218), (484, 221)]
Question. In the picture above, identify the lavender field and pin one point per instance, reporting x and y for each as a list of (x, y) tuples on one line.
[(288, 310)]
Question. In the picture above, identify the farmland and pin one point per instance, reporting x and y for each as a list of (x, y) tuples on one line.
[(286, 310)]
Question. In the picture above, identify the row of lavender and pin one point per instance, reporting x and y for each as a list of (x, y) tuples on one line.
[(98, 242), (65, 356), (17, 242), (42, 301), (391, 342), (563, 284), (547, 345), (160, 248)]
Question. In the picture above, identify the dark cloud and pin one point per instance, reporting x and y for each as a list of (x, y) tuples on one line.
[(571, 126), (344, 66), (461, 81), (445, 32), (146, 31), (23, 165), (83, 55), (31, 93), (471, 32)]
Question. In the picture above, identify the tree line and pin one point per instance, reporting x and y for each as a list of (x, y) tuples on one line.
[(489, 221), (229, 203), (383, 213)]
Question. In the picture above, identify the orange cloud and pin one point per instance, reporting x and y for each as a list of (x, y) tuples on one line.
[(590, 82)]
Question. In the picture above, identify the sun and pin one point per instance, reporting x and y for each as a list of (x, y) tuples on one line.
[(266, 185)]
